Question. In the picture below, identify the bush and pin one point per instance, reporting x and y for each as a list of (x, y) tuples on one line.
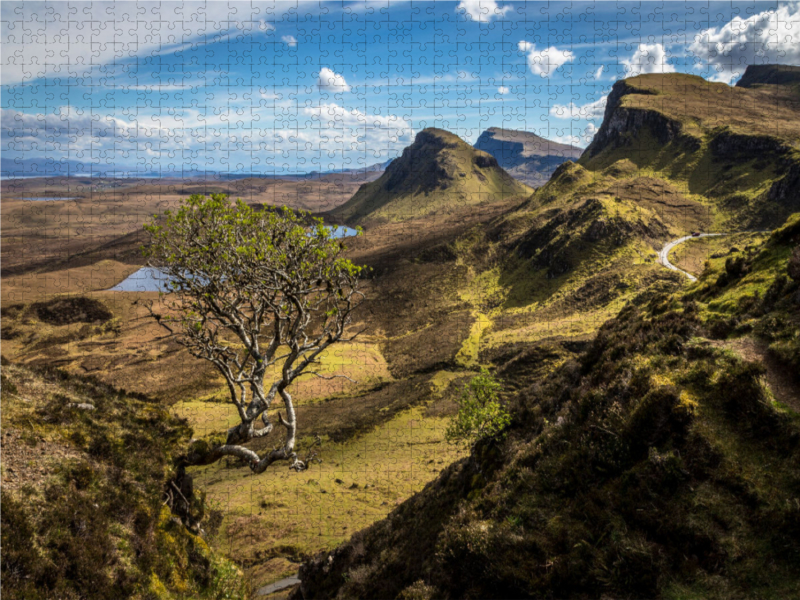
[(480, 414)]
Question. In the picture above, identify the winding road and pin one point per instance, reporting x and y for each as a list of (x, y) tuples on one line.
[(663, 256)]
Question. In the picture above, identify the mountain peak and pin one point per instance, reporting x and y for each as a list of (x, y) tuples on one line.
[(525, 155), (436, 173)]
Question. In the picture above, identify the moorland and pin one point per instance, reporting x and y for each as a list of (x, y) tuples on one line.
[(653, 446)]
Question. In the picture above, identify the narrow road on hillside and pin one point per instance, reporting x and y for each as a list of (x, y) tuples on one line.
[(663, 256)]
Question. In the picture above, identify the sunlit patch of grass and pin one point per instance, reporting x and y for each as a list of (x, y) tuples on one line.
[(442, 379), (207, 417), (753, 285), (362, 362), (568, 325), (286, 514), (468, 355)]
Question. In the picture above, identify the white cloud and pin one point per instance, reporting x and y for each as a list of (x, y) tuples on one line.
[(218, 141), (68, 130), (768, 37), (590, 110), (267, 95), (648, 58), (338, 129), (330, 81), (71, 40), (545, 62), (579, 139), (482, 11), (503, 90), (266, 27), (289, 40), (599, 72)]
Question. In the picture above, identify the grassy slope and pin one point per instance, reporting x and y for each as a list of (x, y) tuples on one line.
[(438, 173), (401, 378), (82, 513), (675, 154), (633, 471)]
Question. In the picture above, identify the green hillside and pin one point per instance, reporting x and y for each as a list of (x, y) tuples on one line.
[(655, 437), (662, 462), (675, 155), (85, 470), (439, 173)]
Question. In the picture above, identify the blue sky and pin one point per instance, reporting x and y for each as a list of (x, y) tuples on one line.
[(279, 87)]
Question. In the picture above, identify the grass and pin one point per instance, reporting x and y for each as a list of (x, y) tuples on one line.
[(692, 255), (468, 355), (633, 469), (275, 519)]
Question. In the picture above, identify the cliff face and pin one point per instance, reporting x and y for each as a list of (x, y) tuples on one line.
[(526, 156), (769, 74), (624, 124), (438, 172), (735, 146)]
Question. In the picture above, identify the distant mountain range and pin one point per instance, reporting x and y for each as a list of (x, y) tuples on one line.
[(50, 167), (526, 156), (45, 167)]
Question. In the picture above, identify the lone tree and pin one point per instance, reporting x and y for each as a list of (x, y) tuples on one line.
[(260, 294)]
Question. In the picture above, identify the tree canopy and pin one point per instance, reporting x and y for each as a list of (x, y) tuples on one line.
[(260, 293)]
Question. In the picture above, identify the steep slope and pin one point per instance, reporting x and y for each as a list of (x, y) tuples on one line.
[(526, 156), (438, 173), (675, 154), (736, 148), (769, 74), (658, 464), (661, 463), (83, 496)]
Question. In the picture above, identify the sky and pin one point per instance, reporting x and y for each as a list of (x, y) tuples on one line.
[(288, 87)]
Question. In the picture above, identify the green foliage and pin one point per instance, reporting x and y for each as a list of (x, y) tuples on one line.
[(252, 289), (211, 244), (480, 414)]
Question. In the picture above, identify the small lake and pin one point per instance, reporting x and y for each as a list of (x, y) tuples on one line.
[(150, 279), (146, 279), (340, 231), (45, 198)]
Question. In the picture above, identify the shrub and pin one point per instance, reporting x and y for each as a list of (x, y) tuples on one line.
[(480, 414)]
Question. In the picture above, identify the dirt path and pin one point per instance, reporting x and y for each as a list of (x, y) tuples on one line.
[(779, 380)]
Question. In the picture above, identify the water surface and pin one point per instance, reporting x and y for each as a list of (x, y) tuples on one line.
[(45, 198), (150, 279)]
